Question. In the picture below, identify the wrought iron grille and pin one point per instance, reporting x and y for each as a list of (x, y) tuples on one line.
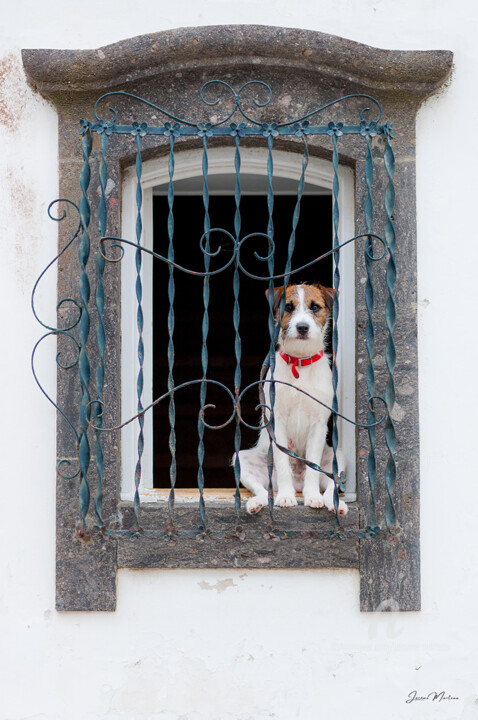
[(87, 327)]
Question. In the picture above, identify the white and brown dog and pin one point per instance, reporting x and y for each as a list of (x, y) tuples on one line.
[(300, 423)]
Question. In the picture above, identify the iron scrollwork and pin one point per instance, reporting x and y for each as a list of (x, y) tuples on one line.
[(237, 123)]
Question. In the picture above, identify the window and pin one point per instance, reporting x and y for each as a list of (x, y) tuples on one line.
[(169, 74), (312, 240)]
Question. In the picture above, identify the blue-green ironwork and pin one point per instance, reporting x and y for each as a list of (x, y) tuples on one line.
[(236, 321), (335, 133), (369, 331), (171, 291), (100, 330), (84, 328), (390, 354), (205, 333), (236, 125), (137, 131), (271, 320)]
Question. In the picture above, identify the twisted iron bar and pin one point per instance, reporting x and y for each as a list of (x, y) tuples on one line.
[(335, 317), (84, 328), (370, 333), (100, 330), (171, 292), (271, 318), (205, 333), (390, 354), (139, 323), (236, 320)]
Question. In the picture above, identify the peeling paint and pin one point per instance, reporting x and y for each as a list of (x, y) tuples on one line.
[(24, 208), (220, 587), (12, 91)]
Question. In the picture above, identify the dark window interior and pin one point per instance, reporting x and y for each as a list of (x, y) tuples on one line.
[(313, 237)]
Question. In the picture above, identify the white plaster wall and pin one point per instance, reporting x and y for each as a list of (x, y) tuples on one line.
[(213, 645)]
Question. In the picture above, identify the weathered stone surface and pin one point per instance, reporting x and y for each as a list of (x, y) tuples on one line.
[(255, 549), (210, 48)]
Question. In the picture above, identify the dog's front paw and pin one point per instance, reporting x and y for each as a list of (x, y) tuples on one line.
[(255, 504), (329, 504), (313, 499), (343, 509), (284, 500)]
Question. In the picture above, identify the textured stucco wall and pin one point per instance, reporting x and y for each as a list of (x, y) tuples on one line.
[(233, 644)]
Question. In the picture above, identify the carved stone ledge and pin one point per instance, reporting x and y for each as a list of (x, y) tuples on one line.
[(416, 73)]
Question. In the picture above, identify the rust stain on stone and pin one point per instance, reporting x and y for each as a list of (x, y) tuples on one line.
[(12, 90)]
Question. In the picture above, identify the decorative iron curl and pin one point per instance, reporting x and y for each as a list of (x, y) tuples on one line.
[(118, 241), (163, 397), (62, 333), (315, 260), (274, 382), (262, 258), (60, 463), (52, 262), (213, 103), (237, 247), (335, 102), (103, 123), (368, 125)]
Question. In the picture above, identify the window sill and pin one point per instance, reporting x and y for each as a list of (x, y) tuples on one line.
[(211, 495), (300, 537)]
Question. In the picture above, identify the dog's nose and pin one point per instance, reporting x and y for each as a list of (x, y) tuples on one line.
[(302, 329)]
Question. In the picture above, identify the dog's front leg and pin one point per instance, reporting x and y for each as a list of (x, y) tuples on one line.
[(285, 487), (315, 446)]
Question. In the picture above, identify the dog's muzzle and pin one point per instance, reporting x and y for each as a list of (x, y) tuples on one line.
[(302, 330)]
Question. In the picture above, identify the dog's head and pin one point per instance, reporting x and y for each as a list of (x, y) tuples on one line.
[(306, 314)]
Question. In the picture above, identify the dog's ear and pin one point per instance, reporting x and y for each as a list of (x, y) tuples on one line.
[(329, 294), (277, 296)]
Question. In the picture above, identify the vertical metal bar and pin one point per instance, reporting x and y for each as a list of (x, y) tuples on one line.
[(84, 327), (291, 244), (335, 320), (171, 291), (370, 333), (390, 354), (292, 238), (205, 331), (295, 221), (140, 323), (236, 321), (100, 331), (272, 322)]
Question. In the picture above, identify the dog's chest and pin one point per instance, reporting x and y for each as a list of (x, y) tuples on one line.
[(294, 410)]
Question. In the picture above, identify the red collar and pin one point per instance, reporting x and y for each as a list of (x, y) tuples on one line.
[(296, 361)]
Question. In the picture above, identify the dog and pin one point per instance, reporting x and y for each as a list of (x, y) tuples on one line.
[(300, 423)]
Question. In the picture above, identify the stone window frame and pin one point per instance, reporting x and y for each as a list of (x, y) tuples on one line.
[(323, 67)]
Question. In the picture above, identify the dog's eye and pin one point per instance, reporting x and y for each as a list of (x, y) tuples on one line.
[(289, 307), (315, 307)]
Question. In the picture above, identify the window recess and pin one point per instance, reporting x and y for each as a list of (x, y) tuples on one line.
[(313, 235)]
